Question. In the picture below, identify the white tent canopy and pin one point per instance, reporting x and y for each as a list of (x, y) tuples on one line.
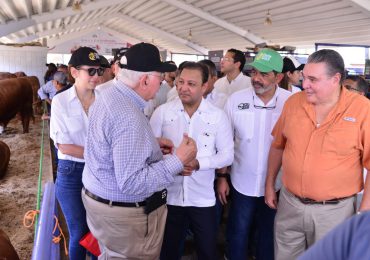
[(214, 24)]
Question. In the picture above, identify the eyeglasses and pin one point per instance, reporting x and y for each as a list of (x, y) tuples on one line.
[(227, 59), (264, 107), (352, 89), (161, 76), (93, 71)]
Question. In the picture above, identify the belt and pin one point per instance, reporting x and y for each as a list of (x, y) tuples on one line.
[(114, 203), (323, 202)]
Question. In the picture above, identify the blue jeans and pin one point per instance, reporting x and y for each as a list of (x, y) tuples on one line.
[(68, 188), (243, 211), (201, 221)]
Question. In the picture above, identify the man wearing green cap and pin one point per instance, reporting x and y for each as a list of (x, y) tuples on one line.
[(253, 113)]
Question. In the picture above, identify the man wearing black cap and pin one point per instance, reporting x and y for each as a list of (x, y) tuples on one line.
[(108, 73), (125, 171), (116, 58)]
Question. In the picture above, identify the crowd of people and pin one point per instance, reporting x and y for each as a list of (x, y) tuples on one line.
[(149, 152)]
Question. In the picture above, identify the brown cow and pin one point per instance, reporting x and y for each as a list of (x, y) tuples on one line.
[(20, 74), (7, 75), (7, 250), (16, 97), (4, 158), (37, 103)]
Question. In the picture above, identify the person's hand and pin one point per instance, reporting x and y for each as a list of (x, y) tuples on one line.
[(270, 197), (187, 150), (223, 190), (166, 145), (45, 117), (190, 167)]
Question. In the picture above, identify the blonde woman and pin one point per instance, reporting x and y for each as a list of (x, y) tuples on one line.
[(68, 129)]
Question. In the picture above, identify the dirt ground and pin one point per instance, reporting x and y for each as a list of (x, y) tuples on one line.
[(18, 189)]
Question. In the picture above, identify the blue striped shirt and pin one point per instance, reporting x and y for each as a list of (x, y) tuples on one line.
[(123, 161)]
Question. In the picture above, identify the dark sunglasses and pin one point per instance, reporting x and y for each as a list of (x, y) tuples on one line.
[(93, 71)]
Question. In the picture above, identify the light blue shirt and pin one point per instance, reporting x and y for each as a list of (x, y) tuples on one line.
[(47, 91), (123, 161)]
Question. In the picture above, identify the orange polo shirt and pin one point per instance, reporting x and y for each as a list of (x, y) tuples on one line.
[(324, 162)]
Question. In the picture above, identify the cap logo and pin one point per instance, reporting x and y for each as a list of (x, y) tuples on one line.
[(93, 56), (263, 56)]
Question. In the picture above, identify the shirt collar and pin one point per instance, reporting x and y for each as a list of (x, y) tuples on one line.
[(276, 94), (203, 107), (236, 79), (339, 107), (72, 93), (127, 91)]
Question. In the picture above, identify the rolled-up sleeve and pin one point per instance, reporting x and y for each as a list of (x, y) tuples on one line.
[(41, 92)]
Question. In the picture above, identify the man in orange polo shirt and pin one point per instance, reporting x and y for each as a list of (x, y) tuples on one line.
[(322, 141)]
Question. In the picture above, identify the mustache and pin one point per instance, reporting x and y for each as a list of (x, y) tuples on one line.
[(254, 82)]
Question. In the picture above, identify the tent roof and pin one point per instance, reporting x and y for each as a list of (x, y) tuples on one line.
[(214, 24)]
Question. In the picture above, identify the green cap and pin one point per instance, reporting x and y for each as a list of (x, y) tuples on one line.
[(268, 60)]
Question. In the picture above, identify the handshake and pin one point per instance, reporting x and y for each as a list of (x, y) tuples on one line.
[(186, 152)]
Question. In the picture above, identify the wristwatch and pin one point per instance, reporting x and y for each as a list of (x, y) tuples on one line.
[(221, 175)]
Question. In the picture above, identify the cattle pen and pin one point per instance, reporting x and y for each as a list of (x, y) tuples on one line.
[(18, 188)]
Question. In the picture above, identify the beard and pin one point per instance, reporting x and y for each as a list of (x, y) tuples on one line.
[(259, 88)]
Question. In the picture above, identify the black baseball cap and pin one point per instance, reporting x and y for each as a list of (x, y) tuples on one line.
[(291, 64), (104, 62), (119, 53), (84, 56), (145, 57), (50, 65)]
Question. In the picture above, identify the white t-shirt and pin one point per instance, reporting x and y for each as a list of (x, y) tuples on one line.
[(252, 126), (222, 85), (211, 130)]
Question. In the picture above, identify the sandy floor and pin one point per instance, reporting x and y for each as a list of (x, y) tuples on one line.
[(18, 189)]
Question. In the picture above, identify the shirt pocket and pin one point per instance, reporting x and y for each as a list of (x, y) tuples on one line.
[(244, 124), (171, 127), (341, 140)]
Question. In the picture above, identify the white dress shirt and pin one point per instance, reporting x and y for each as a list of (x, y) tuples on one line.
[(217, 99), (295, 89), (159, 99), (68, 122), (211, 130), (223, 85), (252, 126), (172, 94)]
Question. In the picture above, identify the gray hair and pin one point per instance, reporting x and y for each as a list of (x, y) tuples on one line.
[(334, 62), (130, 77)]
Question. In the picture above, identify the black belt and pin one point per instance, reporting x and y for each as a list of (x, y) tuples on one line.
[(114, 203), (323, 202)]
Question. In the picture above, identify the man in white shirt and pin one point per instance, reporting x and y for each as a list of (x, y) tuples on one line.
[(217, 99), (191, 199), (253, 113), (167, 84), (232, 65)]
